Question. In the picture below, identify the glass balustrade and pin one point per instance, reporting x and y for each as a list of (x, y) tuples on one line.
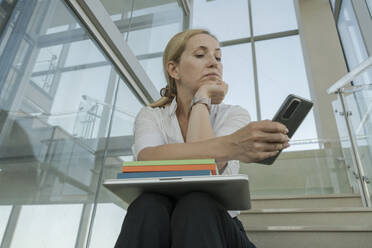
[(352, 111), (57, 93), (320, 171), (358, 102), (66, 124)]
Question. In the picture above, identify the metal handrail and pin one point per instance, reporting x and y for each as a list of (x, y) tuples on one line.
[(341, 83), (357, 88), (61, 114), (340, 88), (364, 190)]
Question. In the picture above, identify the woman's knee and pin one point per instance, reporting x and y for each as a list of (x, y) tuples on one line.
[(155, 204), (197, 204)]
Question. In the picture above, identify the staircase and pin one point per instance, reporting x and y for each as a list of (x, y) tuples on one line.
[(313, 221)]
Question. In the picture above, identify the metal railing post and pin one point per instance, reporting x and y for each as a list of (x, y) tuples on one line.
[(364, 191)]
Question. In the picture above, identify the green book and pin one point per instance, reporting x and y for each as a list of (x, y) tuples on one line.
[(169, 162)]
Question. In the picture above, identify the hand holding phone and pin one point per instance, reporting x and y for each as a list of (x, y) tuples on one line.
[(291, 113)]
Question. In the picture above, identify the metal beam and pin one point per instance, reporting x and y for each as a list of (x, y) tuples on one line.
[(99, 24), (91, 65), (337, 10), (259, 38), (254, 63), (11, 226), (361, 176), (137, 23), (185, 5)]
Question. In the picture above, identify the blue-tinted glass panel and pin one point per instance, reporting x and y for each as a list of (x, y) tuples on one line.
[(352, 41), (150, 25), (152, 40), (154, 68), (107, 225), (272, 16), (227, 20), (53, 225), (4, 217), (238, 74), (57, 91), (147, 29), (126, 110), (281, 71), (369, 5), (110, 209), (333, 2), (83, 52)]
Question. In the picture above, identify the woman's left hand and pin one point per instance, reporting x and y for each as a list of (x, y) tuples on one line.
[(216, 90)]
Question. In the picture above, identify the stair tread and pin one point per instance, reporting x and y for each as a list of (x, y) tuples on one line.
[(309, 210), (322, 228), (304, 197)]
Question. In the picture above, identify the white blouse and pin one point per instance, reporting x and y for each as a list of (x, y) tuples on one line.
[(159, 126)]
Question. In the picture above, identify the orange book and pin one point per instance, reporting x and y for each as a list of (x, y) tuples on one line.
[(211, 167)]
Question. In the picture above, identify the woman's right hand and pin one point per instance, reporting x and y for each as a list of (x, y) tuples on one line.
[(216, 90), (258, 140)]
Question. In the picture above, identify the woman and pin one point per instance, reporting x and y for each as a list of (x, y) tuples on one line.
[(189, 122)]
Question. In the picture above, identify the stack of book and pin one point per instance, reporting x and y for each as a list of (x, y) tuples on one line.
[(168, 168)]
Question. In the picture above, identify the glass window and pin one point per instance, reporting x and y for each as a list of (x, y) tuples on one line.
[(47, 58), (281, 71), (55, 141), (150, 26), (369, 5), (4, 217), (238, 74), (333, 2), (126, 110), (109, 216), (118, 9), (151, 40), (83, 52), (272, 16), (154, 68), (227, 20), (47, 226), (107, 225), (352, 41)]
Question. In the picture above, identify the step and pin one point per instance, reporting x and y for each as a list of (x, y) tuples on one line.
[(307, 201), (307, 217), (311, 236)]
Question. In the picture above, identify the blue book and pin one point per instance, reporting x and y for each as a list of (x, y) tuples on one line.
[(163, 174)]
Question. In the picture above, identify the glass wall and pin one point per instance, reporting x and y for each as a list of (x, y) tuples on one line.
[(57, 99), (281, 71), (272, 16), (213, 16), (237, 62), (6, 8), (358, 98), (263, 63), (261, 82), (352, 40), (147, 26)]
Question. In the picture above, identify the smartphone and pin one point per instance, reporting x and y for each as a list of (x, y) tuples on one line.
[(291, 113)]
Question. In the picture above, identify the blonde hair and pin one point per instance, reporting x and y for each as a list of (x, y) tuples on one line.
[(173, 52)]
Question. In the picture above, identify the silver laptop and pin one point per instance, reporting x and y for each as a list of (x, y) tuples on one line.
[(232, 191)]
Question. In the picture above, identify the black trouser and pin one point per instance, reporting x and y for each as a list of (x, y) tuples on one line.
[(196, 220)]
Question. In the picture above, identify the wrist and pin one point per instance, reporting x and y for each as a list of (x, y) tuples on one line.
[(232, 146), (202, 94), (201, 101), (224, 149)]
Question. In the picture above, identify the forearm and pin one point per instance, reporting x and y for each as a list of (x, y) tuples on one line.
[(216, 148), (200, 128)]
